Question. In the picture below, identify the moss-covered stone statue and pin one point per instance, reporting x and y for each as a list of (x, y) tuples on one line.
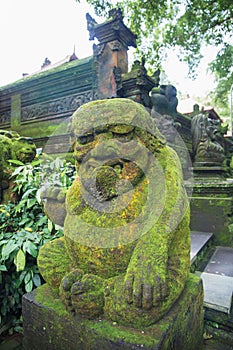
[(12, 147), (125, 254), (207, 142)]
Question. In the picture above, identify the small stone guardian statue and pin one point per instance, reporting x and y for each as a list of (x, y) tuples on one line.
[(207, 150)]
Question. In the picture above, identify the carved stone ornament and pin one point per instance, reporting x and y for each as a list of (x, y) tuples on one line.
[(115, 14), (5, 118), (91, 22), (112, 29), (98, 50), (62, 105), (118, 77), (115, 45)]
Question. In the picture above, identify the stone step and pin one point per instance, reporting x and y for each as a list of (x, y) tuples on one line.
[(218, 291), (221, 262), (217, 280), (199, 240)]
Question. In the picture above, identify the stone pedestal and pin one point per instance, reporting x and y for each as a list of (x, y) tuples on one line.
[(212, 210), (48, 326), (208, 173)]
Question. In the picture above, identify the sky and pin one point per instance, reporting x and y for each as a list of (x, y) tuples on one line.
[(32, 30)]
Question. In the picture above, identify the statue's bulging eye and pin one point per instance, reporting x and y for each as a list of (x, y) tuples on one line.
[(85, 139)]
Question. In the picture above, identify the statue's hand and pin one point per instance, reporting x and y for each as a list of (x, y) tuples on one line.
[(82, 294), (53, 193), (54, 204), (145, 288)]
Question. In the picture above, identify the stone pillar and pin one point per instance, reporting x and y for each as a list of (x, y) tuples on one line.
[(15, 111), (110, 54)]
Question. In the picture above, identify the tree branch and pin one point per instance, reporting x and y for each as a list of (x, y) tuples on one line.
[(213, 25)]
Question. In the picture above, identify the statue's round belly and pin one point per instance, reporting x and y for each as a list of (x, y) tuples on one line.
[(105, 262)]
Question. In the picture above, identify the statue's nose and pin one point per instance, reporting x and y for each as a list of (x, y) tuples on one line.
[(106, 179)]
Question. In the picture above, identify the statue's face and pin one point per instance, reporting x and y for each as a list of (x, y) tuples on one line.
[(107, 160), (212, 128), (24, 149)]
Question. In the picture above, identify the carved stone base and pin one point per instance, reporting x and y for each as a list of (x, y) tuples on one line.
[(207, 172), (47, 325)]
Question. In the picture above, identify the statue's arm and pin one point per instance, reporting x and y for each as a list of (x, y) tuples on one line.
[(146, 279), (146, 276)]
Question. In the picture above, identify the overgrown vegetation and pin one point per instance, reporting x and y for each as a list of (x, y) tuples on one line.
[(24, 228)]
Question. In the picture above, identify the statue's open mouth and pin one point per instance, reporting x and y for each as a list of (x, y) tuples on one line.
[(112, 179)]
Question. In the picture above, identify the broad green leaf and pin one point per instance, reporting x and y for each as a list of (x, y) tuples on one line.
[(29, 286), (31, 248), (17, 162), (21, 234), (27, 277), (23, 221), (3, 268), (17, 171), (20, 261), (31, 190), (3, 241), (36, 280), (22, 275), (31, 202), (8, 249), (36, 162), (43, 220), (50, 225), (17, 282)]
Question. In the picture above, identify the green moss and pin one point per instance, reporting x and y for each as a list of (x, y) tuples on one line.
[(50, 299), (53, 262), (115, 332)]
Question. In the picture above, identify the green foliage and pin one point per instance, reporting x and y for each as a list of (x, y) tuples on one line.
[(223, 69), (24, 228)]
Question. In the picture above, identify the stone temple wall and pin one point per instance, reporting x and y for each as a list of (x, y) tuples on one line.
[(36, 104)]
